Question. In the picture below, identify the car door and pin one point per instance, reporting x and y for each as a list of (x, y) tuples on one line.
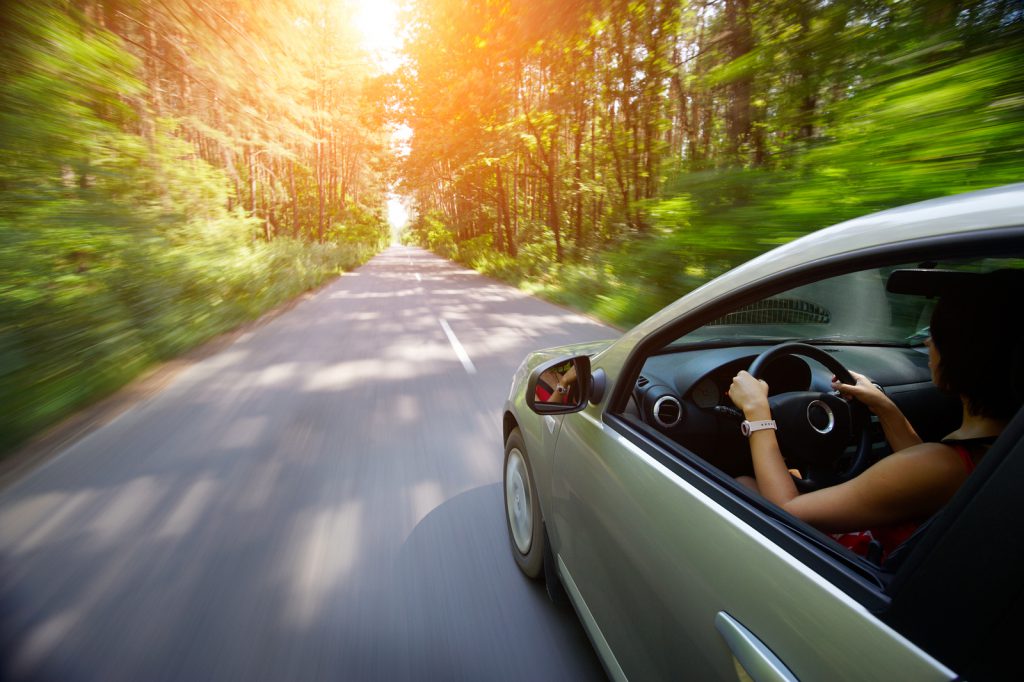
[(676, 578)]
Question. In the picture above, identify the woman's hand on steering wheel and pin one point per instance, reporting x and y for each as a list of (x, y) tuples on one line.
[(865, 390), (815, 429), (750, 396)]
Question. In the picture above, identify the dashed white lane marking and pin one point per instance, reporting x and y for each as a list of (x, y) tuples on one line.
[(457, 347), (418, 278)]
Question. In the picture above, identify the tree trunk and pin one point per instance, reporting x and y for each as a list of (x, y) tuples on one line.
[(553, 217), (737, 13), (806, 74), (319, 192), (294, 198), (577, 179), (252, 180), (504, 219)]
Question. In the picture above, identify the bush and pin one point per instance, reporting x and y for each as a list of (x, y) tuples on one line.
[(474, 252), (84, 309), (360, 225)]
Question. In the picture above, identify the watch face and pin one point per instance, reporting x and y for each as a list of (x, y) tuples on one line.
[(745, 428)]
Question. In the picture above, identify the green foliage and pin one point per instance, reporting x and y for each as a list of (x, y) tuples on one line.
[(500, 266), (159, 185), (118, 248), (618, 154), (474, 251), (430, 231), (61, 94), (925, 133), (933, 127), (84, 308), (361, 226)]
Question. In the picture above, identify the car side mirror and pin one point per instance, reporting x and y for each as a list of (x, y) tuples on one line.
[(560, 386)]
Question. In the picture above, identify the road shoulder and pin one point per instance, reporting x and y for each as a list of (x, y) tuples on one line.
[(40, 449)]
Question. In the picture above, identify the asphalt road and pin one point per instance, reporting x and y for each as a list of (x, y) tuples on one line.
[(319, 501)]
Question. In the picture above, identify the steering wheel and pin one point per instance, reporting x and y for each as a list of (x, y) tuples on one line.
[(815, 429)]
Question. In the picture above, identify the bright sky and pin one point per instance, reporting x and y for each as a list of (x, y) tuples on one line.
[(398, 215), (377, 20)]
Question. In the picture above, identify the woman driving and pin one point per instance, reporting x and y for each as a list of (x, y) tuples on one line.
[(972, 329)]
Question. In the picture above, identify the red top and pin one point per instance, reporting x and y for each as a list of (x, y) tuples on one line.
[(544, 393)]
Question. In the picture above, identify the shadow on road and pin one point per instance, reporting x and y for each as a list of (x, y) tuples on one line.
[(468, 627)]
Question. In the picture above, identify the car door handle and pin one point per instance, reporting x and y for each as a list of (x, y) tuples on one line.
[(757, 660)]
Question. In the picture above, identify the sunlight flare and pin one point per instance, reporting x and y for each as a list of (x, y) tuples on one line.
[(377, 20)]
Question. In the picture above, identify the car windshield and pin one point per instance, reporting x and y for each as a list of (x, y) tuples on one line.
[(854, 308)]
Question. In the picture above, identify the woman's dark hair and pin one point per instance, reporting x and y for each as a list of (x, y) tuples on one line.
[(977, 331)]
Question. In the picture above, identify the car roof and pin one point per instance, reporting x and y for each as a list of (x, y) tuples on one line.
[(981, 210)]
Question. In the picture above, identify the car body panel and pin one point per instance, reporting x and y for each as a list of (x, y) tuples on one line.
[(622, 518), (540, 433), (652, 561)]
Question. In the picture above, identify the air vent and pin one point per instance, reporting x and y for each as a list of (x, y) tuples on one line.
[(668, 411), (642, 381)]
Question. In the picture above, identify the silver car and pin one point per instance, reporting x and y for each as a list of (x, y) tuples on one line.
[(621, 462)]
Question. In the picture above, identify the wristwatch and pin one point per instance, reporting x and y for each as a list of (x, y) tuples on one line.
[(747, 427), (561, 389)]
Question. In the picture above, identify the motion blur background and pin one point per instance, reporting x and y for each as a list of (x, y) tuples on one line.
[(172, 168)]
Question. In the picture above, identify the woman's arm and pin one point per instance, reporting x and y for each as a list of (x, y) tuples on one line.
[(898, 430), (776, 484), (558, 385), (909, 485), (906, 486)]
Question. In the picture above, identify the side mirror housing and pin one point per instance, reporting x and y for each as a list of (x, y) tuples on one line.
[(598, 381), (560, 386)]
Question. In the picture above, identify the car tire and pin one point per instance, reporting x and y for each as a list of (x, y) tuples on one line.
[(522, 508)]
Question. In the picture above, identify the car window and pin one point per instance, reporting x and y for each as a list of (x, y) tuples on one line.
[(682, 389), (853, 308)]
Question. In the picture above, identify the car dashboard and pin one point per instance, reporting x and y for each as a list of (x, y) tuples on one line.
[(682, 393)]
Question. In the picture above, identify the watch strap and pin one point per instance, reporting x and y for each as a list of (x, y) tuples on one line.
[(748, 427)]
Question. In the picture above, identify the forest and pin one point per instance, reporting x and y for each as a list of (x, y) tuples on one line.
[(171, 169), (174, 168), (615, 154)]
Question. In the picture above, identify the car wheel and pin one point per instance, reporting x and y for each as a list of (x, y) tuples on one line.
[(522, 508)]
